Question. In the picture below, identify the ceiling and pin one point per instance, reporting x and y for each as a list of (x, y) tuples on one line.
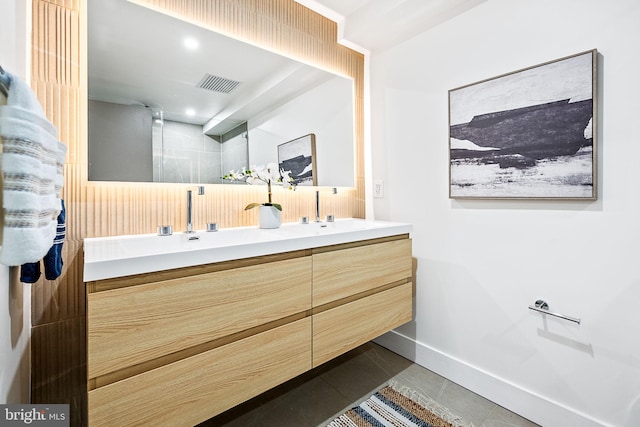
[(375, 25)]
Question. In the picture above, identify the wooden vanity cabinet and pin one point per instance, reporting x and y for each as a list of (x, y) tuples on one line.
[(178, 347), (359, 293)]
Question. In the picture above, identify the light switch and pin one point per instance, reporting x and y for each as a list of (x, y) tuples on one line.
[(378, 189)]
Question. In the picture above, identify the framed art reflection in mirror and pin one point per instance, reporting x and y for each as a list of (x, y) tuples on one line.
[(299, 157)]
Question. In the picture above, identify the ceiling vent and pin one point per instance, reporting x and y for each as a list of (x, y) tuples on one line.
[(217, 84)]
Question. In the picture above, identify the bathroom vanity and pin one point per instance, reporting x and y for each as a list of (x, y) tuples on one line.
[(179, 331)]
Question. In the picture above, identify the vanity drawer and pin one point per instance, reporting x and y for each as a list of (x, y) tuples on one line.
[(342, 273), (340, 329), (197, 388), (135, 324)]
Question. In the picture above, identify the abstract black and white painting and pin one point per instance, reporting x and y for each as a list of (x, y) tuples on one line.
[(526, 134), (299, 157)]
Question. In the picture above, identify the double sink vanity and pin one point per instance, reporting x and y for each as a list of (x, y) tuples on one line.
[(181, 330)]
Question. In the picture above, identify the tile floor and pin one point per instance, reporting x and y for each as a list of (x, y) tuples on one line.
[(316, 397)]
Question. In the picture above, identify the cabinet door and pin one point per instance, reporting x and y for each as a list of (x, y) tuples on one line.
[(194, 389), (345, 327), (136, 324), (343, 273)]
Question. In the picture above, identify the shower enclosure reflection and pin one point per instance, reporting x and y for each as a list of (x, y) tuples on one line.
[(182, 153)]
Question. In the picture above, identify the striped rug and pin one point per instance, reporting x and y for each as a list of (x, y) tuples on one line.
[(393, 407)]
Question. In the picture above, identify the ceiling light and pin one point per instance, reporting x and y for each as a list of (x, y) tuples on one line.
[(191, 43), (190, 112)]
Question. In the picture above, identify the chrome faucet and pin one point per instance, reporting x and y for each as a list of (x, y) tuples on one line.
[(334, 190), (190, 209), (317, 206)]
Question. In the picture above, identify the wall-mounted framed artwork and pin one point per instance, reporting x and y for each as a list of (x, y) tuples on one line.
[(299, 157), (529, 134)]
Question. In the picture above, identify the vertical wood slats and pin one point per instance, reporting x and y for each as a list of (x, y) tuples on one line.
[(103, 209), (58, 351)]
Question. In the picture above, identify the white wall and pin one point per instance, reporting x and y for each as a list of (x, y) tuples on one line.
[(480, 264), (15, 298)]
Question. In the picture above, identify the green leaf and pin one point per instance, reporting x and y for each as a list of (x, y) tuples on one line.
[(255, 205)]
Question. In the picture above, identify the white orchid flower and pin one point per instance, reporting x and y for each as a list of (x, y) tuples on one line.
[(261, 175), (286, 179)]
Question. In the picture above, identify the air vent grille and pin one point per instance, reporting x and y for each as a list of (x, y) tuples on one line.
[(217, 84)]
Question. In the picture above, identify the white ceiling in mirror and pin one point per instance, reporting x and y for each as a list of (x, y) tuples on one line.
[(139, 57)]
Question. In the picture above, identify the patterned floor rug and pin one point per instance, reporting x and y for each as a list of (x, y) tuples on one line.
[(394, 406)]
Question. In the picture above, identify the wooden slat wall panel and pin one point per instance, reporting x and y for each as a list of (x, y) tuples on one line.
[(58, 344), (58, 366), (64, 298), (103, 209)]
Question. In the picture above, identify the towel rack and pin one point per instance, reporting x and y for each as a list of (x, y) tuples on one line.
[(541, 306), (5, 82)]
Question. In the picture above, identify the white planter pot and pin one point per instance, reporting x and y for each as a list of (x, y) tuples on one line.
[(269, 217)]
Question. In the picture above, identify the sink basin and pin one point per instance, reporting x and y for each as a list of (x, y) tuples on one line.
[(108, 257)]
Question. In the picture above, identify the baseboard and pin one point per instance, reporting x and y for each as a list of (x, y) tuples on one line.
[(524, 402)]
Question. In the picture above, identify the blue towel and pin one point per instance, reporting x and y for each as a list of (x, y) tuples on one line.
[(30, 272)]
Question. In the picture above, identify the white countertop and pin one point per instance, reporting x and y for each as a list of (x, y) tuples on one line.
[(109, 257)]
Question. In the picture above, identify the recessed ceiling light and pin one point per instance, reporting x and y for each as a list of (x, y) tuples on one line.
[(190, 112), (191, 43)]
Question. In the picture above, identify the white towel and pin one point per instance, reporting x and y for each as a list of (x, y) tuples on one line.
[(32, 168)]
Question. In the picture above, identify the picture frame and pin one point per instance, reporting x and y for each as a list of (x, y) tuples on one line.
[(528, 134), (299, 157)]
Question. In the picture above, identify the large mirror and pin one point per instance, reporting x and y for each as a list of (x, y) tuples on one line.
[(170, 101)]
